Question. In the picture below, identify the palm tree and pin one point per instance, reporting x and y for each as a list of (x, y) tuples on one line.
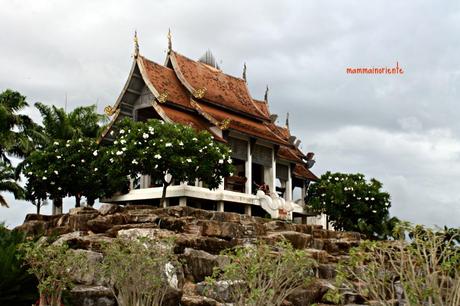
[(16, 130), (8, 183), (83, 121)]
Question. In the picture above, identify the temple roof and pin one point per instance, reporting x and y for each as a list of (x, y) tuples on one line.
[(301, 171), (221, 89)]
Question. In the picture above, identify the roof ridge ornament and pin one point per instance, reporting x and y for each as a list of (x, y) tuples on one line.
[(199, 93), (109, 110), (169, 41), (136, 45), (244, 73), (266, 94), (287, 120)]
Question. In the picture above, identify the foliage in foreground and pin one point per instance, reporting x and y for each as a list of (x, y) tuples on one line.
[(424, 270), (264, 275), (353, 204), (53, 265), (17, 286), (138, 270)]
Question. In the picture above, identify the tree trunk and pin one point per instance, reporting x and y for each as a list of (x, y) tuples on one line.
[(90, 202), (77, 200), (39, 204), (163, 195), (57, 206)]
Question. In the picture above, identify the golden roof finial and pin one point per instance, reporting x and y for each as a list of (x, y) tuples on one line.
[(266, 94), (136, 44), (244, 73), (287, 120), (169, 41)]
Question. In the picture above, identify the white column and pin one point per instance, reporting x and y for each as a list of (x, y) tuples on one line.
[(248, 170), (304, 191), (248, 209), (220, 206), (183, 201), (289, 185), (273, 172)]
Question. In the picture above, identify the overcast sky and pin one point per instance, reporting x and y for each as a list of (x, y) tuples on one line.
[(401, 129)]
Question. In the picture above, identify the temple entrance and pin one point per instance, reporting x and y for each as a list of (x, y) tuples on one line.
[(237, 182), (257, 176)]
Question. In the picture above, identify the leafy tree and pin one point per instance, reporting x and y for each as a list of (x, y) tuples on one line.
[(15, 129), (163, 149), (74, 167), (8, 183), (352, 203), (17, 286)]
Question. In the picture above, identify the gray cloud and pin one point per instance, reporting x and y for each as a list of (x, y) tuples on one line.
[(402, 129)]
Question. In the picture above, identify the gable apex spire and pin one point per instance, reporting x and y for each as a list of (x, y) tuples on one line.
[(287, 120), (244, 73), (169, 41), (266, 94), (136, 45)]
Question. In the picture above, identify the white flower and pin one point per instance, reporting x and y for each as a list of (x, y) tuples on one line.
[(229, 161), (56, 143), (181, 143), (134, 162), (52, 183), (211, 144), (359, 198), (139, 143), (145, 135), (111, 160), (95, 169), (123, 149), (95, 153), (58, 157), (115, 142), (200, 150), (82, 160), (44, 178), (194, 139), (366, 198), (168, 144), (157, 156), (336, 178), (345, 188), (374, 211), (30, 173), (73, 165), (221, 161), (372, 199), (55, 172), (111, 133), (122, 141), (80, 140), (59, 188), (119, 152), (156, 166), (189, 160), (122, 131), (67, 145), (348, 205), (323, 194)]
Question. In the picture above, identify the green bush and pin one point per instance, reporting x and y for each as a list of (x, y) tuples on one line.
[(264, 275), (421, 268), (17, 286)]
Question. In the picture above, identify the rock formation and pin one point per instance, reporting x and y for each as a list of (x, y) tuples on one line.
[(199, 237)]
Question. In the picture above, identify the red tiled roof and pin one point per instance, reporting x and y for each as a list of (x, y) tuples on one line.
[(242, 124), (262, 106), (187, 118), (288, 154), (222, 89), (301, 171), (164, 80)]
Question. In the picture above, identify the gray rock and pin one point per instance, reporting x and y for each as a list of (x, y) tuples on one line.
[(82, 295)]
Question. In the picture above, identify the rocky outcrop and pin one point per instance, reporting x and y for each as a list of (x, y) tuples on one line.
[(199, 237)]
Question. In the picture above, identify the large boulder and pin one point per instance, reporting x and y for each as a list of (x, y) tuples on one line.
[(82, 295), (200, 264)]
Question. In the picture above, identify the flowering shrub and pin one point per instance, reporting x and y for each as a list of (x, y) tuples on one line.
[(352, 203), (156, 148)]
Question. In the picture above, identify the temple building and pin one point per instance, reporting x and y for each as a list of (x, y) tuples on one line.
[(199, 94)]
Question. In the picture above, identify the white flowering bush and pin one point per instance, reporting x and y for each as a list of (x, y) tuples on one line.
[(352, 203), (156, 148)]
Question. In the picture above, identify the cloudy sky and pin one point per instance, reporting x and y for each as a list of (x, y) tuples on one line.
[(401, 129)]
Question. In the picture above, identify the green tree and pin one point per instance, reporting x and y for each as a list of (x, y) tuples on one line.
[(352, 203), (75, 167), (168, 152), (16, 130), (17, 286), (8, 183)]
